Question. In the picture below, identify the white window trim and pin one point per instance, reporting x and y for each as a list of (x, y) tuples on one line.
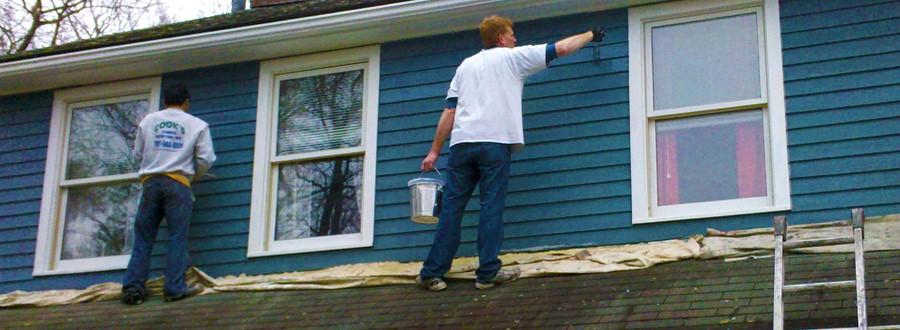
[(639, 18), (49, 238), (260, 242)]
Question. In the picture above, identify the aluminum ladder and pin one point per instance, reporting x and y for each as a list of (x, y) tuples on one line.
[(858, 218)]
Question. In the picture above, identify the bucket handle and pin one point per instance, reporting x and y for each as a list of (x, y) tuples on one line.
[(436, 170)]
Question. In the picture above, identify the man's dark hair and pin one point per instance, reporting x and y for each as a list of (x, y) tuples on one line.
[(174, 95)]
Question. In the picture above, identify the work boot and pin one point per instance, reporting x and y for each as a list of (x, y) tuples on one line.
[(432, 284), (132, 296), (502, 276), (191, 291)]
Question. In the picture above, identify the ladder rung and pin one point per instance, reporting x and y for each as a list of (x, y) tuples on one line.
[(817, 242), (819, 286)]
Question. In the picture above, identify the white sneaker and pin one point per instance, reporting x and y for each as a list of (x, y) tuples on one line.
[(502, 276), (432, 284)]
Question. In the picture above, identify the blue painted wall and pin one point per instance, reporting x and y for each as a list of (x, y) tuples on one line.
[(570, 186), (842, 81), (24, 129)]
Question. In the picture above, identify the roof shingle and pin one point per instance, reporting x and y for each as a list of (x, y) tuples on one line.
[(693, 294)]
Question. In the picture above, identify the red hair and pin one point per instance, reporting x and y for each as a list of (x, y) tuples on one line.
[(491, 28)]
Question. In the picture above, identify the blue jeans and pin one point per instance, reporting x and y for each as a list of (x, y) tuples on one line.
[(485, 164), (162, 197)]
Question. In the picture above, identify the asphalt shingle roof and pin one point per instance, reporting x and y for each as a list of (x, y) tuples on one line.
[(253, 16), (694, 294)]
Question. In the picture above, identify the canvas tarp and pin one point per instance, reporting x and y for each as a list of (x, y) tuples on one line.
[(880, 235), (583, 260), (716, 244)]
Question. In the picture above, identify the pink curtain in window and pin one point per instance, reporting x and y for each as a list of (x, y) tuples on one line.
[(750, 160), (667, 167)]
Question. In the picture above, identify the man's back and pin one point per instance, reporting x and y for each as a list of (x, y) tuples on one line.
[(168, 141), (489, 90)]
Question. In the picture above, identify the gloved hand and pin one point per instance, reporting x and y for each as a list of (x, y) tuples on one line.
[(599, 33)]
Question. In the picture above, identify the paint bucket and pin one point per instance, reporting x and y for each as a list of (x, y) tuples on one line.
[(425, 199)]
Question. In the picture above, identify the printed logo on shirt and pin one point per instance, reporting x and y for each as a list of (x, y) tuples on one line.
[(168, 135)]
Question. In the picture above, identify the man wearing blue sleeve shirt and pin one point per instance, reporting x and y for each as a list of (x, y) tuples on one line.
[(483, 116)]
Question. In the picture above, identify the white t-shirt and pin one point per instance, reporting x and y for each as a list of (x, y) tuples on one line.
[(489, 86), (168, 141)]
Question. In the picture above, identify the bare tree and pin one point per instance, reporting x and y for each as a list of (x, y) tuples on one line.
[(103, 17), (213, 8), (22, 22), (27, 25)]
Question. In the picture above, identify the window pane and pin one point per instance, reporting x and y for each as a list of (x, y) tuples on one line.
[(319, 198), (320, 112), (710, 158), (705, 62), (101, 139), (99, 220)]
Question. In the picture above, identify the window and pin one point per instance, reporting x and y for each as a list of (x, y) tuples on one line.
[(91, 186), (708, 134), (314, 166)]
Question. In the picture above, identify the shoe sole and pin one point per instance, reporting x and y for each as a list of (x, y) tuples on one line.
[(132, 299), (174, 299), (483, 286), (133, 302), (435, 287), (438, 287), (169, 299)]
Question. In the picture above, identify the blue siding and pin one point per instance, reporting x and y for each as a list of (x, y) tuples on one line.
[(24, 127), (842, 83), (570, 186)]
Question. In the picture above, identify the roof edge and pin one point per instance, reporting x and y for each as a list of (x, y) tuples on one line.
[(365, 26)]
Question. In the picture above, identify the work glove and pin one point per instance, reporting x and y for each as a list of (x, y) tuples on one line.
[(599, 33)]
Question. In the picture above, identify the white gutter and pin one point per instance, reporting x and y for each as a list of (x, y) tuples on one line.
[(277, 39)]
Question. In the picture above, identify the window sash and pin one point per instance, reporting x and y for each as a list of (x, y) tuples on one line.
[(64, 180), (736, 204), (64, 209), (261, 242), (652, 116), (55, 193), (648, 64), (707, 109), (642, 118), (274, 207), (276, 89), (318, 155), (278, 160)]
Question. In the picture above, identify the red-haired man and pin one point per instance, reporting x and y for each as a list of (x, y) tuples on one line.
[(484, 115)]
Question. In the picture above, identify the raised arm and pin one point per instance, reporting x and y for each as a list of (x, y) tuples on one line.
[(574, 43)]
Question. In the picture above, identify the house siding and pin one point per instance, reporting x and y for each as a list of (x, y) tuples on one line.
[(569, 187), (24, 131), (842, 86)]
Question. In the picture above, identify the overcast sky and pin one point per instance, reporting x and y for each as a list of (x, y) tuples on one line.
[(190, 9)]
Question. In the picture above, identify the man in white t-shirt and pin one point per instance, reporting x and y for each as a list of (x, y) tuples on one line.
[(483, 116)]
